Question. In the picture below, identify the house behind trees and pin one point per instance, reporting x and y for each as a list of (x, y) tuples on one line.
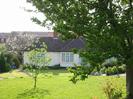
[(59, 51)]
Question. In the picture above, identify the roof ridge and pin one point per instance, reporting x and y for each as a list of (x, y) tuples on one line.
[(81, 40), (67, 44)]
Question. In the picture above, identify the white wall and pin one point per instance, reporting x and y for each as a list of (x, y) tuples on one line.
[(56, 58), (70, 64), (25, 58)]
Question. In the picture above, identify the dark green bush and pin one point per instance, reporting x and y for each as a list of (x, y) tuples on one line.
[(103, 70), (113, 70), (122, 69), (7, 60), (7, 67), (55, 67), (109, 71)]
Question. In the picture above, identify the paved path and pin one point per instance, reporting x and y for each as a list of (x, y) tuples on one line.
[(1, 78), (122, 75)]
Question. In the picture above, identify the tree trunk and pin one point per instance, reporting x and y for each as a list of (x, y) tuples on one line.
[(129, 79), (35, 80)]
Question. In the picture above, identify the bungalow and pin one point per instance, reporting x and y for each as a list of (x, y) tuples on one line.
[(60, 51)]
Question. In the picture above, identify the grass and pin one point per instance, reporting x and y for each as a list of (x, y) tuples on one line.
[(13, 74), (54, 84)]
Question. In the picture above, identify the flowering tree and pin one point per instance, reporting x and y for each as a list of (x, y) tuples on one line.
[(19, 43), (38, 61)]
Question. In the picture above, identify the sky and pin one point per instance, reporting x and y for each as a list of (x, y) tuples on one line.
[(13, 17)]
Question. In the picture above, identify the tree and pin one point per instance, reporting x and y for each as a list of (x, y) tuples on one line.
[(7, 59), (106, 26), (38, 61), (19, 42)]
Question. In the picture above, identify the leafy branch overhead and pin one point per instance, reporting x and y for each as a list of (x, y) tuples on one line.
[(106, 26)]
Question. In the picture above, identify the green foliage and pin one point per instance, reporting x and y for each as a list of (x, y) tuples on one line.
[(122, 69), (2, 48), (38, 56), (105, 25), (113, 70), (79, 73), (112, 89), (109, 71), (7, 59), (110, 62), (38, 61), (34, 69)]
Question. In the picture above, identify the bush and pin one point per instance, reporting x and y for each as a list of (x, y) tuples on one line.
[(122, 69), (7, 67), (55, 67), (111, 90), (7, 60), (103, 70), (95, 72), (113, 70), (109, 71)]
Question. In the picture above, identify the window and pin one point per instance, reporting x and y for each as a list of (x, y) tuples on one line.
[(67, 57)]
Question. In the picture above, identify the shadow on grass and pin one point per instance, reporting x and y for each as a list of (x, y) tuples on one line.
[(56, 71), (33, 93)]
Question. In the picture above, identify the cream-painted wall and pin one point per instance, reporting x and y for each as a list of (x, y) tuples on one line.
[(56, 59), (54, 56), (25, 58), (70, 64)]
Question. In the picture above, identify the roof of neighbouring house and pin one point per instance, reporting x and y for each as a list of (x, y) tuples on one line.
[(58, 45), (4, 35), (35, 33)]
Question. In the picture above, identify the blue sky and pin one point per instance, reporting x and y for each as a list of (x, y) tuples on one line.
[(14, 18)]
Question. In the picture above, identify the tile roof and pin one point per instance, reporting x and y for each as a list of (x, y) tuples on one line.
[(4, 35), (57, 45)]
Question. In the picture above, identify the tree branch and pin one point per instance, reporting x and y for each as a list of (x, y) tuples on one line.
[(130, 3)]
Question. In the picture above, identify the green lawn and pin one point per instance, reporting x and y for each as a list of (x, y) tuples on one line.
[(54, 84)]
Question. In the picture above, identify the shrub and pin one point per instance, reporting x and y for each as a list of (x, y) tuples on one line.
[(55, 67), (7, 60), (111, 90), (103, 70), (80, 72), (122, 69), (113, 70), (4, 64), (108, 71), (7, 67)]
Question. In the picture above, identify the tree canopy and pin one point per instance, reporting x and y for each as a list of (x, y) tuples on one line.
[(106, 25)]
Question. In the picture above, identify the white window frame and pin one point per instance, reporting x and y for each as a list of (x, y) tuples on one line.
[(67, 57)]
